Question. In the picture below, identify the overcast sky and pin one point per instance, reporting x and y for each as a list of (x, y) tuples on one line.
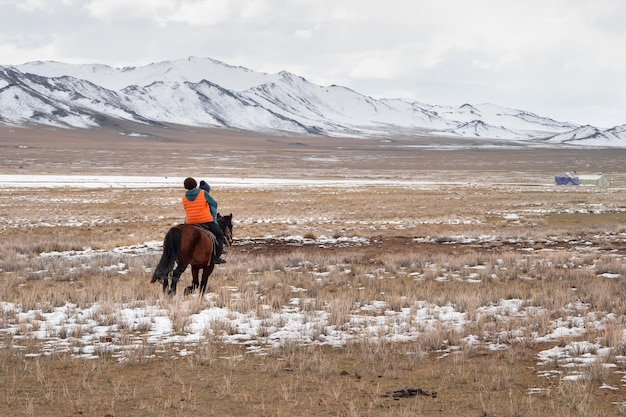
[(564, 59)]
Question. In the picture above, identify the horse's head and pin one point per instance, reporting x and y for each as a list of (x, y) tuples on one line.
[(226, 223)]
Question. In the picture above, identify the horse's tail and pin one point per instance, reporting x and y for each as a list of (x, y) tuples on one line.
[(171, 249)]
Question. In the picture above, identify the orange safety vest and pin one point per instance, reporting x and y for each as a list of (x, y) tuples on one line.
[(197, 211)]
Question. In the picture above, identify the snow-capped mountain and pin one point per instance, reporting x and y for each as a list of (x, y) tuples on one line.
[(206, 92), (589, 135)]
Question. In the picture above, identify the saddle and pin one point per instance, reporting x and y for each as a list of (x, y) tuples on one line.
[(203, 228), (218, 250)]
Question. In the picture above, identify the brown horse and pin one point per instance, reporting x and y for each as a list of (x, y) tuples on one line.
[(188, 244)]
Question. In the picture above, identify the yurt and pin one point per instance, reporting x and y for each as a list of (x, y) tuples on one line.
[(594, 179)]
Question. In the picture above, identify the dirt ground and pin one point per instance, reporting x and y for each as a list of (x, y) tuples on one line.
[(358, 380), (381, 248), (133, 149), (318, 381)]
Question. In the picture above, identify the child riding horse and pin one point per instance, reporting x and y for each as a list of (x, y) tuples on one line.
[(188, 244)]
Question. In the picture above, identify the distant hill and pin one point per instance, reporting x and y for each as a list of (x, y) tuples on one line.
[(209, 93)]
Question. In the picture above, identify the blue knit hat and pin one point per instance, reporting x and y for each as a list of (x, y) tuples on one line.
[(206, 187)]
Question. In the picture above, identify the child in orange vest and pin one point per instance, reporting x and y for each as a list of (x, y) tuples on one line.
[(197, 205)]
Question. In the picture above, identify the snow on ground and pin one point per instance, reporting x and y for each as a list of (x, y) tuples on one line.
[(87, 332), (121, 181)]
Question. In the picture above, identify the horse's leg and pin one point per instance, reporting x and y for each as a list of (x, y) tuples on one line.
[(194, 280), (206, 271), (180, 268)]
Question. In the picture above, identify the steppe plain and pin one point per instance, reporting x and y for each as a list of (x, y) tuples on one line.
[(452, 278)]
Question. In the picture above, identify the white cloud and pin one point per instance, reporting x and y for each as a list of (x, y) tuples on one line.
[(21, 55), (32, 5), (191, 12), (303, 33), (114, 10), (378, 64), (203, 13)]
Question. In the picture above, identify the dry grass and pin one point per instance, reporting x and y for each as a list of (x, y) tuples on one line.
[(451, 245)]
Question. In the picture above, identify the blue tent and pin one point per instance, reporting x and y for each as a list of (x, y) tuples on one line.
[(566, 179)]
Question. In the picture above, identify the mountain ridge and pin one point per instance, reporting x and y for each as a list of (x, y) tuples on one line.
[(209, 93)]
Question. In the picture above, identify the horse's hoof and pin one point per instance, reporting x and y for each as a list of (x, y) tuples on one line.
[(188, 290)]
